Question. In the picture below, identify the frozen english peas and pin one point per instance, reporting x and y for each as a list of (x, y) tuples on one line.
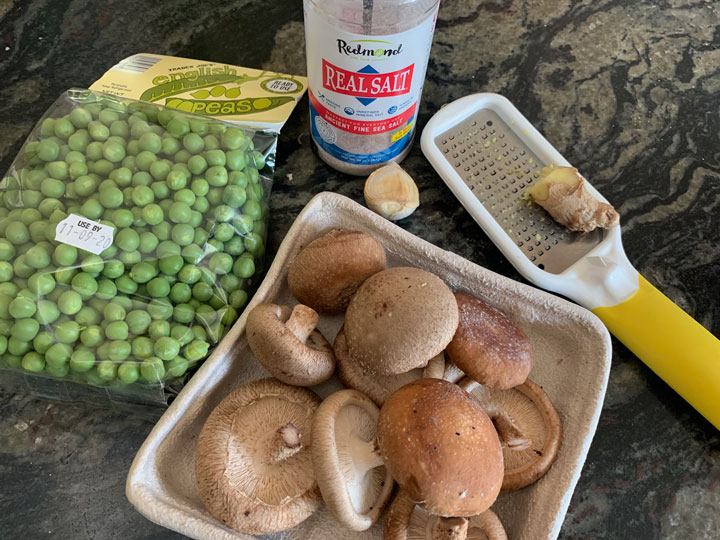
[(187, 209)]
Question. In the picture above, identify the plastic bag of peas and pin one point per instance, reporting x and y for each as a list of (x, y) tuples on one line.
[(130, 238)]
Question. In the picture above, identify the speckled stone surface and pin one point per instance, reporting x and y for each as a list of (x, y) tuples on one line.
[(627, 91)]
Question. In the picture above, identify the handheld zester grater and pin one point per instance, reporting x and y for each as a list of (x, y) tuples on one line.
[(489, 155)]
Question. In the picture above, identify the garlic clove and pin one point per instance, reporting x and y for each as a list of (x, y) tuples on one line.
[(391, 192)]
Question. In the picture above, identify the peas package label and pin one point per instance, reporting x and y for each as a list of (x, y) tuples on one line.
[(131, 235), (259, 99)]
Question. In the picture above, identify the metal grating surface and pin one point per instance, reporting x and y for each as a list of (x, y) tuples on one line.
[(498, 168)]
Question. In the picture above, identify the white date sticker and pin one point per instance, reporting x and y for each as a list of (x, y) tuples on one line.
[(84, 233)]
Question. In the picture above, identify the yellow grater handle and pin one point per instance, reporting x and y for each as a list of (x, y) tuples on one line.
[(671, 343)]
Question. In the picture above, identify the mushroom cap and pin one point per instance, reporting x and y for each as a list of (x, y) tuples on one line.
[(355, 484), (441, 447), (378, 387), (489, 347), (238, 480), (528, 426), (399, 319), (288, 345), (407, 521), (328, 271)]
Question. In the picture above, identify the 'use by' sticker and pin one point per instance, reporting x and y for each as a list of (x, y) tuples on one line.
[(84, 233)]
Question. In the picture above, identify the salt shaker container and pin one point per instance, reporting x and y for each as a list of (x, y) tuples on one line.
[(366, 63)]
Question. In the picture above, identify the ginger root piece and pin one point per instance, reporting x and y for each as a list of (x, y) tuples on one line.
[(561, 192)]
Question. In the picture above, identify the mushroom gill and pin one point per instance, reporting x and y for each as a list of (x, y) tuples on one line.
[(406, 521), (528, 426), (252, 470)]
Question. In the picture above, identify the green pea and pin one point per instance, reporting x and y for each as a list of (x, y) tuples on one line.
[(202, 291), (159, 170), (113, 151), (69, 302), (127, 240), (259, 160), (234, 196), (152, 369), (176, 367), (106, 370), (180, 293), (235, 160), (91, 209), (17, 233), (116, 330), (7, 250), (64, 276), (111, 197), (42, 342), (183, 313), (25, 329), (41, 283), (142, 347), (167, 248), (84, 284), (254, 243), (33, 361), (166, 348), (178, 127), (63, 128), (160, 308), (108, 116), (238, 299), (59, 372), (179, 213), (119, 350), (82, 360), (150, 142), (158, 287), (98, 131), (142, 272), (193, 253), (47, 312), (229, 282), (141, 178), (113, 269), (244, 267), (58, 354), (80, 117), (79, 140), (197, 164), (77, 169), (176, 179), (142, 195), (48, 150), (92, 264), (20, 268), (51, 187), (67, 332), (189, 274), (238, 178), (158, 329), (183, 234), (217, 176), (193, 143), (233, 138), (182, 156), (144, 160), (148, 242), (221, 263), (21, 308), (223, 232), (87, 316), (170, 145), (18, 347)]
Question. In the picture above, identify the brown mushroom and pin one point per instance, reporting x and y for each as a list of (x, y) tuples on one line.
[(354, 482), (287, 344), (253, 470), (399, 319), (441, 447), (407, 521), (379, 387), (489, 347), (326, 274), (528, 426)]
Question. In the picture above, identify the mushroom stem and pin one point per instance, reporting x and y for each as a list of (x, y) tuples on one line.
[(510, 434), (286, 442), (302, 322), (447, 528)]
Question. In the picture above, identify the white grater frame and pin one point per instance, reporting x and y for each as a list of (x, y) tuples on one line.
[(602, 277)]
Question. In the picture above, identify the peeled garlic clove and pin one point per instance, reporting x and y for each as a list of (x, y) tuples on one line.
[(391, 192)]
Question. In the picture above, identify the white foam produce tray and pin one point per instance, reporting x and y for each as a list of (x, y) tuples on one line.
[(572, 364)]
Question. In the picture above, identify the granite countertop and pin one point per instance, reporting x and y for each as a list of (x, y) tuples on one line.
[(627, 91)]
